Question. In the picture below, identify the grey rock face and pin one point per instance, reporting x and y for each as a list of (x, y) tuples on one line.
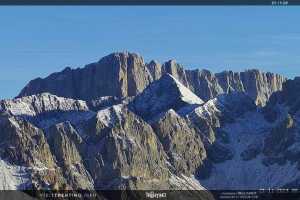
[(65, 144), (204, 83), (176, 70), (126, 74), (25, 145), (258, 85), (266, 84), (118, 74), (155, 69), (182, 144), (125, 153)]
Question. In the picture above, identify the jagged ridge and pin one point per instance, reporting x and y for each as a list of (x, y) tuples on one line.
[(126, 74)]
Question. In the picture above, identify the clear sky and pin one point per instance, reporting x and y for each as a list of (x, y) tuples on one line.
[(36, 41)]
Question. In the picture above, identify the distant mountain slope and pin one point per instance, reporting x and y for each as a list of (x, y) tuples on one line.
[(126, 74), (263, 143)]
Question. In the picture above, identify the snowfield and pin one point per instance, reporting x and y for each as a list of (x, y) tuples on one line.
[(252, 174)]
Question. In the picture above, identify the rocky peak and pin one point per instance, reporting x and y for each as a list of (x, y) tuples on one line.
[(125, 55), (154, 62), (162, 95), (176, 70), (155, 69), (121, 59), (118, 74)]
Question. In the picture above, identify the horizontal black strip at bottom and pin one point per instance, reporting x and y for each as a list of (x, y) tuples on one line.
[(268, 194)]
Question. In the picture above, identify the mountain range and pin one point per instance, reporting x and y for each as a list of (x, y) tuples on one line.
[(121, 123), (126, 75)]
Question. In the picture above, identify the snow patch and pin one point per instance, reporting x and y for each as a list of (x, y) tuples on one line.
[(186, 94), (185, 183), (13, 177), (73, 117), (109, 116)]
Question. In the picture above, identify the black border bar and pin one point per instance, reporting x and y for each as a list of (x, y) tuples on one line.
[(153, 2), (264, 194)]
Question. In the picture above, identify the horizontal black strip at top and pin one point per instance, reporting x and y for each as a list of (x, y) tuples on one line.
[(267, 194), (151, 2)]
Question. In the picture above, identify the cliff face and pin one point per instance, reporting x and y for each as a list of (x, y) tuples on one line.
[(126, 74), (118, 74), (258, 85), (181, 142)]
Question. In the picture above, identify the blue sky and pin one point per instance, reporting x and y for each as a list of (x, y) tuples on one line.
[(36, 41)]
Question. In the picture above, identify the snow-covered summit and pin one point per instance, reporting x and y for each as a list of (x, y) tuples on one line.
[(185, 94), (162, 95)]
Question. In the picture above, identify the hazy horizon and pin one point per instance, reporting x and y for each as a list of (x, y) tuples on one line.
[(38, 41)]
